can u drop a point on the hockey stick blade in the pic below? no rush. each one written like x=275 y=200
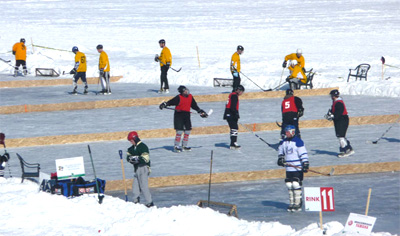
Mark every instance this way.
x=210 y=112
x=279 y=125
x=176 y=70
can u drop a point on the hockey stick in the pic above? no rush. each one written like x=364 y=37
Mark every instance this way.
x=100 y=196
x=314 y=171
x=270 y=145
x=279 y=125
x=376 y=141
x=280 y=85
x=123 y=175
x=172 y=68
x=283 y=70
x=5 y=60
x=208 y=113
x=2 y=141
x=253 y=82
x=209 y=182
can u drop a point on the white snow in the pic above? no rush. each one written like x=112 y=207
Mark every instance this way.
x=26 y=211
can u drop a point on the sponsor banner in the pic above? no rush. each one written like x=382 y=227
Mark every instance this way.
x=360 y=224
x=70 y=168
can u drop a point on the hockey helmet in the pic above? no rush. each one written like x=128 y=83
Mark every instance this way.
x=75 y=49
x=299 y=51
x=291 y=129
x=334 y=93
x=240 y=88
x=133 y=136
x=289 y=92
x=22 y=40
x=99 y=46
x=162 y=41
x=240 y=47
x=182 y=89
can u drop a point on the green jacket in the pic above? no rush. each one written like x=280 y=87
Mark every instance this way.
x=142 y=151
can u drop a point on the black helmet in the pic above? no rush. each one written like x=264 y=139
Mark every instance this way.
x=289 y=92
x=240 y=47
x=240 y=88
x=161 y=41
x=182 y=89
x=99 y=46
x=75 y=49
x=22 y=40
x=334 y=93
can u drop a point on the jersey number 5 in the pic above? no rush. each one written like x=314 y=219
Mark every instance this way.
x=287 y=105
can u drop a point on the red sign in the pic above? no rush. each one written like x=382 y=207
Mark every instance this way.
x=327 y=199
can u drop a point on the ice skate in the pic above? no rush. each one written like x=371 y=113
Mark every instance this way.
x=177 y=149
x=187 y=149
x=349 y=152
x=74 y=92
x=297 y=207
x=160 y=91
x=151 y=204
x=235 y=146
x=166 y=91
x=85 y=91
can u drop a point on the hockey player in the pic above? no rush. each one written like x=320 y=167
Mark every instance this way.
x=292 y=154
x=231 y=115
x=338 y=113
x=298 y=56
x=3 y=161
x=165 y=60
x=235 y=66
x=292 y=109
x=79 y=70
x=139 y=156
x=182 y=123
x=297 y=75
x=104 y=68
x=19 y=50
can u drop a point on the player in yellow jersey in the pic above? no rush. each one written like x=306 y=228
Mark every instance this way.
x=235 y=67
x=19 y=50
x=104 y=68
x=298 y=56
x=165 y=60
x=79 y=70
x=297 y=75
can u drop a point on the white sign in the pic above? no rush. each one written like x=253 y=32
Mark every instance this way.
x=361 y=224
x=69 y=168
x=319 y=199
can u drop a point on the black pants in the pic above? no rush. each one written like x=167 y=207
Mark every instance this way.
x=18 y=63
x=163 y=77
x=233 y=125
x=341 y=126
x=182 y=121
x=81 y=75
x=236 y=82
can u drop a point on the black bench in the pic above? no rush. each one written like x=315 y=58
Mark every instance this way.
x=360 y=72
x=310 y=77
x=29 y=170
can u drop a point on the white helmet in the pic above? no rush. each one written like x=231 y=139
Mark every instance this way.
x=299 y=51
x=293 y=62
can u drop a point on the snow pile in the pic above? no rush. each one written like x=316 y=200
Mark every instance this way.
x=25 y=211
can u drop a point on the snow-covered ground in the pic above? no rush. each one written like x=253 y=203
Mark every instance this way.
x=334 y=35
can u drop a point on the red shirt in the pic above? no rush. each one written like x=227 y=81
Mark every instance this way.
x=289 y=105
x=344 y=107
x=229 y=104
x=185 y=103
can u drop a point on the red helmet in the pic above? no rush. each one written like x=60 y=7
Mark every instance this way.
x=132 y=135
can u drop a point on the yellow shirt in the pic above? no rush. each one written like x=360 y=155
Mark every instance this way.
x=20 y=51
x=81 y=58
x=293 y=56
x=165 y=57
x=235 y=62
x=103 y=62
x=295 y=73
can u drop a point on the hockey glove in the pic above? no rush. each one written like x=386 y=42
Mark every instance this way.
x=202 y=113
x=305 y=166
x=156 y=58
x=281 y=160
x=304 y=70
x=73 y=71
x=329 y=116
x=168 y=64
x=133 y=159
x=6 y=156
x=13 y=52
x=301 y=113
x=101 y=72
x=163 y=105
x=284 y=64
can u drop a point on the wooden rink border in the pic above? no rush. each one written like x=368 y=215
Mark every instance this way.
x=149 y=101
x=225 y=177
x=50 y=82
x=170 y=132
